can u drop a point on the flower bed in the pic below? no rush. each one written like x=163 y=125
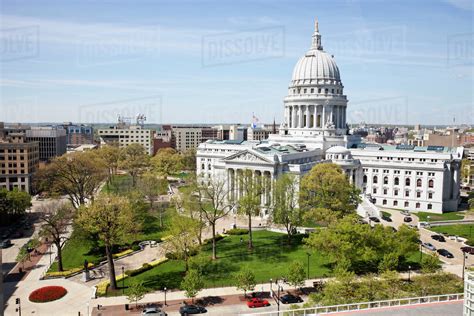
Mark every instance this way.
x=121 y=254
x=47 y=294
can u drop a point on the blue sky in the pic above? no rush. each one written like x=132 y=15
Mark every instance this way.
x=401 y=62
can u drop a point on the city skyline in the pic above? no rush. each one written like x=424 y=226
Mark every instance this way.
x=178 y=66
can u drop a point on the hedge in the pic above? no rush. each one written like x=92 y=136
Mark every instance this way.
x=123 y=253
x=66 y=273
x=237 y=231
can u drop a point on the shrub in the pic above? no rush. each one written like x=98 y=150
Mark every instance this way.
x=123 y=253
x=209 y=240
x=135 y=247
x=47 y=294
x=175 y=256
x=237 y=231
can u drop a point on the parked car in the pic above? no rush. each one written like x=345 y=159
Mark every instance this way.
x=445 y=253
x=153 y=311
x=439 y=238
x=257 y=302
x=6 y=243
x=290 y=299
x=374 y=219
x=386 y=218
x=191 y=309
x=407 y=219
x=429 y=246
x=467 y=249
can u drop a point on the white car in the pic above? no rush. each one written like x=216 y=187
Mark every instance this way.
x=153 y=311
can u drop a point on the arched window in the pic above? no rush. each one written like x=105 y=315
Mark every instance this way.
x=407 y=181
x=431 y=183
x=396 y=181
x=384 y=202
x=395 y=203
x=430 y=206
x=418 y=182
x=385 y=180
x=417 y=205
x=375 y=179
x=364 y=179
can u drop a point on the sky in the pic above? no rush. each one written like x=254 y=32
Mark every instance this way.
x=401 y=61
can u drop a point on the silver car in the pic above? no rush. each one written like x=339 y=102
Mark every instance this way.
x=429 y=246
x=153 y=311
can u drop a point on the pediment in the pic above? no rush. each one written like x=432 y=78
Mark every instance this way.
x=248 y=157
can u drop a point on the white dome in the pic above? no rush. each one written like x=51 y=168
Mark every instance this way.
x=315 y=65
x=338 y=150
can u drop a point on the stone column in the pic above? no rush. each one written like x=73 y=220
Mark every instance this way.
x=323 y=118
x=308 y=117
x=300 y=117
x=315 y=115
x=294 y=116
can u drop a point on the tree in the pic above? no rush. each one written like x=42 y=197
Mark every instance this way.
x=77 y=175
x=152 y=187
x=465 y=170
x=249 y=202
x=285 y=210
x=215 y=204
x=327 y=193
x=296 y=274
x=362 y=246
x=188 y=159
x=13 y=205
x=135 y=160
x=245 y=280
x=182 y=245
x=136 y=292
x=56 y=217
x=192 y=284
x=389 y=262
x=166 y=162
x=114 y=221
x=111 y=155
x=430 y=264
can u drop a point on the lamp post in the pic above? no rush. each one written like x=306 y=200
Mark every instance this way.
x=464 y=255
x=309 y=255
x=123 y=280
x=409 y=270
x=165 y=295
x=278 y=298
x=271 y=280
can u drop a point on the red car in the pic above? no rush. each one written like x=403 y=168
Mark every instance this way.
x=257 y=302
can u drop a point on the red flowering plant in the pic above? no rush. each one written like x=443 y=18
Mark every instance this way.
x=47 y=294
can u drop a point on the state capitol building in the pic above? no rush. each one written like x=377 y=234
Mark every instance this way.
x=314 y=130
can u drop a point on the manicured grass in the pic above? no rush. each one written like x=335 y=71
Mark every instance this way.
x=423 y=216
x=120 y=184
x=269 y=259
x=466 y=231
x=75 y=251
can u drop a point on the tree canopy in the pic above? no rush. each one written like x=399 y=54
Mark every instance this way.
x=327 y=193
x=166 y=162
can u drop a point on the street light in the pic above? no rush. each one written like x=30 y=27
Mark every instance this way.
x=409 y=270
x=165 y=295
x=464 y=257
x=309 y=255
x=123 y=280
x=271 y=280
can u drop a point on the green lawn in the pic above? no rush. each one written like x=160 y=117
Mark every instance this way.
x=120 y=184
x=466 y=231
x=76 y=249
x=423 y=216
x=269 y=259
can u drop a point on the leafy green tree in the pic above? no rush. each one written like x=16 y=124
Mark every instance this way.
x=111 y=156
x=362 y=246
x=245 y=280
x=341 y=290
x=151 y=188
x=113 y=220
x=296 y=274
x=188 y=159
x=214 y=204
x=77 y=175
x=167 y=162
x=136 y=292
x=56 y=217
x=249 y=202
x=285 y=209
x=389 y=262
x=465 y=170
x=135 y=160
x=327 y=193
x=183 y=243
x=19 y=201
x=192 y=284
x=430 y=264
